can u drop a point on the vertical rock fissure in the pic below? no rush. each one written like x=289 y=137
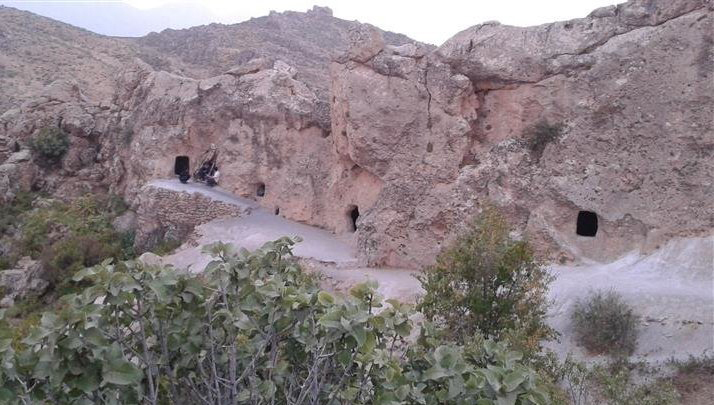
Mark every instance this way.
x=428 y=100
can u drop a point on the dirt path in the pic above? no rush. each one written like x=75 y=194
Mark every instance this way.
x=672 y=289
x=332 y=255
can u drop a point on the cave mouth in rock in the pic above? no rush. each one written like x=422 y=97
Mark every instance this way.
x=587 y=224
x=260 y=190
x=353 y=214
x=181 y=165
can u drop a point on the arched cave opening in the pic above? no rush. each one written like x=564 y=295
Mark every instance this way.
x=181 y=165
x=353 y=214
x=260 y=190
x=587 y=224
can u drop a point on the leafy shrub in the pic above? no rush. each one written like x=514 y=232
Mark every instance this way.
x=73 y=253
x=6 y=263
x=540 y=135
x=67 y=237
x=695 y=365
x=617 y=383
x=487 y=283
x=251 y=329
x=166 y=246
x=605 y=323
x=10 y=212
x=50 y=144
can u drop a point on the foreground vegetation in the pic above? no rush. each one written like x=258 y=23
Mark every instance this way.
x=252 y=329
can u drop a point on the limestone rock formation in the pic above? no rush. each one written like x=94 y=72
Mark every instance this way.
x=631 y=86
x=603 y=122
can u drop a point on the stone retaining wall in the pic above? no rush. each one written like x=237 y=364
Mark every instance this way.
x=164 y=214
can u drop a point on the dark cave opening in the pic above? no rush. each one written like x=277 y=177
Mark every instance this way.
x=260 y=190
x=587 y=224
x=181 y=165
x=353 y=214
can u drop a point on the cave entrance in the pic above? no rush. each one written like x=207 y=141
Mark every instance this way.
x=587 y=224
x=353 y=215
x=260 y=190
x=181 y=165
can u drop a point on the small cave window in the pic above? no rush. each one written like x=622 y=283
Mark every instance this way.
x=260 y=190
x=353 y=214
x=277 y=211
x=181 y=165
x=587 y=224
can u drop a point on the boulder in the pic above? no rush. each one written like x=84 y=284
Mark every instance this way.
x=23 y=281
x=126 y=222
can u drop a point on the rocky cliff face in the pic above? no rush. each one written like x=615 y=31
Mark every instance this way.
x=609 y=114
x=627 y=97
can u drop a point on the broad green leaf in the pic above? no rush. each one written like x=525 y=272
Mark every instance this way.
x=359 y=334
x=512 y=380
x=507 y=399
x=493 y=379
x=456 y=386
x=87 y=382
x=121 y=372
x=159 y=289
x=325 y=298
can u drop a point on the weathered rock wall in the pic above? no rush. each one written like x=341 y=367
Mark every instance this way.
x=631 y=85
x=417 y=140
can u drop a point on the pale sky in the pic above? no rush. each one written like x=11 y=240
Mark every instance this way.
x=431 y=21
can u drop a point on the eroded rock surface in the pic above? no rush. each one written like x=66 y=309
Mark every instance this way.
x=631 y=87
x=401 y=143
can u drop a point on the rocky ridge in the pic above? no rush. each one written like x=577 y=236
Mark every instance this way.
x=415 y=140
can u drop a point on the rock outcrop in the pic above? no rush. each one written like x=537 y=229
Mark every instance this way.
x=23 y=281
x=607 y=118
x=627 y=93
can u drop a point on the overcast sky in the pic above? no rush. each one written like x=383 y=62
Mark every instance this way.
x=432 y=21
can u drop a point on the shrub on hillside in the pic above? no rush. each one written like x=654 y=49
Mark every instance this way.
x=488 y=283
x=50 y=144
x=251 y=329
x=617 y=383
x=605 y=323
x=72 y=253
x=11 y=211
x=541 y=135
x=67 y=237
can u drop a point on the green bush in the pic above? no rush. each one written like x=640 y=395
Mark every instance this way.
x=67 y=237
x=541 y=135
x=73 y=253
x=617 y=383
x=487 y=283
x=251 y=329
x=166 y=246
x=10 y=212
x=50 y=144
x=605 y=324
